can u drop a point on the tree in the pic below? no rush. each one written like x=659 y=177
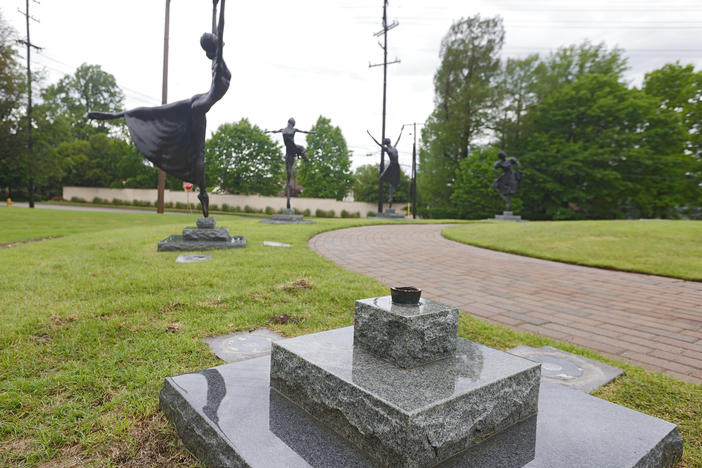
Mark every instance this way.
x=327 y=171
x=465 y=98
x=365 y=185
x=88 y=89
x=473 y=193
x=12 y=91
x=241 y=158
x=600 y=150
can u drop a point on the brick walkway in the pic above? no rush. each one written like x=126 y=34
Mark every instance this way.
x=652 y=321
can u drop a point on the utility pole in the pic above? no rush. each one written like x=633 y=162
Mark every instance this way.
x=30 y=143
x=164 y=100
x=413 y=186
x=384 y=32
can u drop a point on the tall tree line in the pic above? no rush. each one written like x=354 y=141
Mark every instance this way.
x=590 y=145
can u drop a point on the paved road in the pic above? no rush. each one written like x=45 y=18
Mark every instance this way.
x=652 y=321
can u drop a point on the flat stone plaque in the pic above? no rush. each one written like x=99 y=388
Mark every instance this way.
x=411 y=417
x=406 y=335
x=569 y=369
x=227 y=416
x=184 y=258
x=276 y=244
x=243 y=345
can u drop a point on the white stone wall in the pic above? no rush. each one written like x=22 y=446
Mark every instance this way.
x=254 y=201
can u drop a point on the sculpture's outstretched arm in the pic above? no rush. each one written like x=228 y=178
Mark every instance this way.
x=274 y=131
x=400 y=136
x=105 y=115
x=302 y=131
x=220 y=30
x=376 y=141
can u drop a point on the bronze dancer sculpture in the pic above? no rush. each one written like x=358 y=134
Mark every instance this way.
x=391 y=174
x=291 y=152
x=510 y=180
x=172 y=136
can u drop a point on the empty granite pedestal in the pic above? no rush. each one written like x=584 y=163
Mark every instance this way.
x=508 y=216
x=288 y=216
x=339 y=398
x=390 y=213
x=205 y=236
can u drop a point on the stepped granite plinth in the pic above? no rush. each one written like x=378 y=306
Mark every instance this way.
x=227 y=416
x=286 y=217
x=508 y=216
x=390 y=213
x=406 y=335
x=205 y=236
x=407 y=417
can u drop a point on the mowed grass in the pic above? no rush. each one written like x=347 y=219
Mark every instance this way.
x=23 y=224
x=667 y=248
x=93 y=322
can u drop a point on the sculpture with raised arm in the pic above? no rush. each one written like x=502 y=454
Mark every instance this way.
x=510 y=180
x=391 y=174
x=291 y=152
x=172 y=136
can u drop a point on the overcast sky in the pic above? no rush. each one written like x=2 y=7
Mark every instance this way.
x=311 y=57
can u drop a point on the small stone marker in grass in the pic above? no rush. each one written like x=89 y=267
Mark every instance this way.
x=193 y=258
x=569 y=369
x=276 y=244
x=243 y=345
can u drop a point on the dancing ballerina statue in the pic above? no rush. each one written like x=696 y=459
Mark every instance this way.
x=172 y=136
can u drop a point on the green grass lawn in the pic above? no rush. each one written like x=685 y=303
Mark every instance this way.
x=668 y=248
x=93 y=322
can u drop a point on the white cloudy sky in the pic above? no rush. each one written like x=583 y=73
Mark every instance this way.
x=310 y=57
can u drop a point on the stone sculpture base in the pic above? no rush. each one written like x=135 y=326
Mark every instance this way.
x=203 y=237
x=390 y=214
x=405 y=417
x=405 y=335
x=228 y=416
x=287 y=217
x=508 y=216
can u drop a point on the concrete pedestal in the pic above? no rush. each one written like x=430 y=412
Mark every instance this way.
x=390 y=214
x=287 y=217
x=508 y=216
x=406 y=335
x=205 y=236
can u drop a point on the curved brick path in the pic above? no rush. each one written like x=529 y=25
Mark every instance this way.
x=648 y=320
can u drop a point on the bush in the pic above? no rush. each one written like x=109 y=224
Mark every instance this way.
x=236 y=209
x=324 y=213
x=99 y=201
x=371 y=214
x=249 y=209
x=307 y=212
x=214 y=207
x=117 y=201
x=77 y=200
x=181 y=206
x=168 y=204
x=225 y=207
x=346 y=214
x=269 y=210
x=141 y=203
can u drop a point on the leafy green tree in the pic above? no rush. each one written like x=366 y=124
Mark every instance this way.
x=327 y=171
x=600 y=150
x=473 y=193
x=241 y=158
x=465 y=98
x=365 y=185
x=98 y=161
x=88 y=89
x=12 y=91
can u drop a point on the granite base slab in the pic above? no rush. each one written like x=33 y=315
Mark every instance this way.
x=286 y=217
x=390 y=213
x=508 y=216
x=193 y=258
x=227 y=416
x=409 y=417
x=176 y=243
x=569 y=369
x=405 y=335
